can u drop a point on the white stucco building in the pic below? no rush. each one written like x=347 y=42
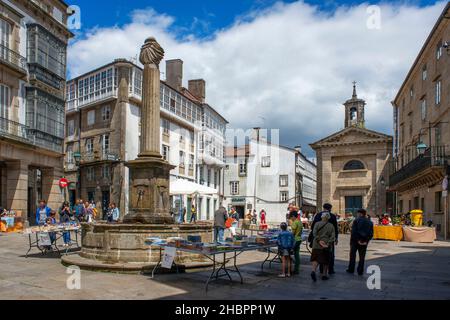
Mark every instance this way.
x=260 y=175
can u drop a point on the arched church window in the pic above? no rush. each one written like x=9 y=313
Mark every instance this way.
x=353 y=113
x=354 y=165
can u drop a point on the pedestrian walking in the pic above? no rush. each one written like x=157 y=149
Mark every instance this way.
x=88 y=212
x=65 y=216
x=333 y=220
x=362 y=233
x=324 y=237
x=285 y=245
x=235 y=216
x=193 y=214
x=262 y=216
x=220 y=216
x=296 y=227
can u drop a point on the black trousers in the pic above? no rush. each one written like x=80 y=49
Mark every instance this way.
x=355 y=247
x=331 y=265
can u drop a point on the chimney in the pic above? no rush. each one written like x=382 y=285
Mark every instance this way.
x=198 y=88
x=174 y=73
x=298 y=148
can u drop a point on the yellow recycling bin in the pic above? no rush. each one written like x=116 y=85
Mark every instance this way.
x=417 y=217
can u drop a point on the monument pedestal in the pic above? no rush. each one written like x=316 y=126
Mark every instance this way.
x=149 y=201
x=121 y=247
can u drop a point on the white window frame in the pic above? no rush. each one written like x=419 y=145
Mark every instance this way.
x=424 y=73
x=243 y=168
x=90 y=173
x=439 y=50
x=166 y=152
x=284 y=180
x=70 y=127
x=69 y=154
x=91 y=117
x=5 y=33
x=105 y=143
x=265 y=162
x=423 y=108
x=106 y=113
x=5 y=101
x=284 y=196
x=182 y=158
x=234 y=188
x=438 y=92
x=106 y=171
x=90 y=145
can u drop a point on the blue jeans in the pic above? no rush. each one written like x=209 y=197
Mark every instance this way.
x=218 y=234
x=66 y=237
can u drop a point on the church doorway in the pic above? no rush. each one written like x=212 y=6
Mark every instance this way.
x=353 y=204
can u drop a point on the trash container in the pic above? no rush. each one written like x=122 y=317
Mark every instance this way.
x=417 y=217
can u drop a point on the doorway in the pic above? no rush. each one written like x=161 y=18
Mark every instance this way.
x=353 y=204
x=241 y=211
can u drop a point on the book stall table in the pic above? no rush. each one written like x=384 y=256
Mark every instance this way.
x=39 y=237
x=222 y=256
x=394 y=233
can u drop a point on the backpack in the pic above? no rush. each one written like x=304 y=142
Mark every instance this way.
x=229 y=223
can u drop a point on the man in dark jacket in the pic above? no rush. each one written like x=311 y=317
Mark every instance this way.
x=333 y=220
x=362 y=233
x=220 y=216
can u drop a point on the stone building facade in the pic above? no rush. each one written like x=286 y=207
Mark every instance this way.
x=33 y=42
x=422 y=130
x=103 y=121
x=352 y=165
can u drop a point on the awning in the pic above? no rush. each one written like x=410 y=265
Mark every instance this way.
x=185 y=187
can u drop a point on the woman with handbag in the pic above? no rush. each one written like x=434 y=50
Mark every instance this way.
x=324 y=236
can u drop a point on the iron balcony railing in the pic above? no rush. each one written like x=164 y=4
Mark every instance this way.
x=13 y=129
x=11 y=57
x=433 y=157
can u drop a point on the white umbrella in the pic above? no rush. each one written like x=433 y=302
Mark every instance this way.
x=185 y=187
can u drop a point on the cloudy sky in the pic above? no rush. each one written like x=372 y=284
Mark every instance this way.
x=281 y=65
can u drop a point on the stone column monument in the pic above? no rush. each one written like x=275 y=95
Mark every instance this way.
x=121 y=247
x=149 y=173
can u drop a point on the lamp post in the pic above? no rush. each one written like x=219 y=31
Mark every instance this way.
x=77 y=158
x=421 y=148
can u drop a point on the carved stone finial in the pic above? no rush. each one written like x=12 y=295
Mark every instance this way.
x=151 y=52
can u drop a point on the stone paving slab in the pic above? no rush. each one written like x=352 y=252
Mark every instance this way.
x=408 y=271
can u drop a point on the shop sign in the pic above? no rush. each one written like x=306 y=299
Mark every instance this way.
x=237 y=199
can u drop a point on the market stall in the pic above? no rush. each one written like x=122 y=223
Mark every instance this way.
x=223 y=256
x=9 y=222
x=419 y=234
x=39 y=237
x=394 y=233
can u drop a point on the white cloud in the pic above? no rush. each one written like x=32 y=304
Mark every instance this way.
x=290 y=64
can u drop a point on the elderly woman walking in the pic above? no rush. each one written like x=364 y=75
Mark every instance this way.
x=324 y=236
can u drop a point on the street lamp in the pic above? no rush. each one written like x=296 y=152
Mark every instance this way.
x=421 y=148
x=77 y=158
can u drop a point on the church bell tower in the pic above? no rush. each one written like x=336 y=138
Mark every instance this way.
x=354 y=111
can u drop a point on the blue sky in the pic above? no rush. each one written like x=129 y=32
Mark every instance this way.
x=271 y=64
x=199 y=17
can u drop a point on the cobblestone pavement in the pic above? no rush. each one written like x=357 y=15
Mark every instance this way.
x=408 y=271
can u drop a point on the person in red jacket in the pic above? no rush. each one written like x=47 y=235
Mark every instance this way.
x=262 y=216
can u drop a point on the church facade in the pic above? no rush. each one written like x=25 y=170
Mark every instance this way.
x=352 y=165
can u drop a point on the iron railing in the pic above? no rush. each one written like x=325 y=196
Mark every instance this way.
x=433 y=157
x=11 y=57
x=13 y=129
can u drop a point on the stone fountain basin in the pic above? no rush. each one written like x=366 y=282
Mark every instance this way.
x=122 y=248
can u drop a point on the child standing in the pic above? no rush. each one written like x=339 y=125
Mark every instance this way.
x=285 y=246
